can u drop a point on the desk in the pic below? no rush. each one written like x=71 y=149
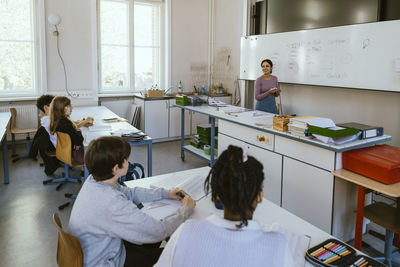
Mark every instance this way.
x=4 y=120
x=365 y=183
x=100 y=112
x=266 y=212
x=293 y=166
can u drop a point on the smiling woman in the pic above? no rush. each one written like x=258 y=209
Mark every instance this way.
x=267 y=88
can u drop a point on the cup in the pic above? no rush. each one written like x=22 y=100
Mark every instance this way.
x=207 y=149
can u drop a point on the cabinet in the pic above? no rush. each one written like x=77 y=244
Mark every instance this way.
x=156 y=118
x=272 y=163
x=307 y=192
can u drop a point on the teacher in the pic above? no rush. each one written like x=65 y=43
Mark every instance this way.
x=267 y=88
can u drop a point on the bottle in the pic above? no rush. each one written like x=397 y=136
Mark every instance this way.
x=180 y=89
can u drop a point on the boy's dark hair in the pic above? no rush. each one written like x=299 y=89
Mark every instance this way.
x=235 y=183
x=103 y=153
x=44 y=100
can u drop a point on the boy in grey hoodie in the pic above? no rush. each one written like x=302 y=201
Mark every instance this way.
x=105 y=213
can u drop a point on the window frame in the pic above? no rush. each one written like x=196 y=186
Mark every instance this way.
x=132 y=88
x=39 y=75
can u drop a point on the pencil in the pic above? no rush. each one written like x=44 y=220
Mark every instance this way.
x=365 y=263
x=337 y=257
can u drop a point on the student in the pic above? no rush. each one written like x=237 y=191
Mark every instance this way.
x=43 y=104
x=105 y=213
x=234 y=240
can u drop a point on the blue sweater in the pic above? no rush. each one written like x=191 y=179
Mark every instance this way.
x=103 y=215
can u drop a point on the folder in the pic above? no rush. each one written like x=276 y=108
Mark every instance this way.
x=367 y=130
x=333 y=132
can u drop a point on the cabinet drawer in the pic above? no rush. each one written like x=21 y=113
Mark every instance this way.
x=247 y=134
x=310 y=154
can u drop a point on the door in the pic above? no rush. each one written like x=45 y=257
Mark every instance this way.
x=156 y=118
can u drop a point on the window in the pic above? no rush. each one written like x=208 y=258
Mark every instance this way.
x=129 y=45
x=20 y=66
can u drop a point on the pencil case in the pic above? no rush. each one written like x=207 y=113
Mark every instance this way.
x=333 y=252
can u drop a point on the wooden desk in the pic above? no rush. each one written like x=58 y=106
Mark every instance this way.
x=4 y=121
x=266 y=212
x=98 y=113
x=365 y=184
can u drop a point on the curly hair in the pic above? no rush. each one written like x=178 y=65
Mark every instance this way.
x=44 y=100
x=236 y=183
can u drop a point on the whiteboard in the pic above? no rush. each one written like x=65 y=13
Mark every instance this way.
x=357 y=56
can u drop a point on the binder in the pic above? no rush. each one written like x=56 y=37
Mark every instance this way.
x=333 y=132
x=367 y=130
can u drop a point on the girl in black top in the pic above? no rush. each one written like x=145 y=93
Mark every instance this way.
x=60 y=110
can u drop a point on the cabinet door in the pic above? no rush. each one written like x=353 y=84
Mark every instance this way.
x=224 y=141
x=197 y=119
x=156 y=118
x=175 y=120
x=272 y=163
x=308 y=193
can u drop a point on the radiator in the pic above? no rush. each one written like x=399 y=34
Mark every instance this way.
x=27 y=117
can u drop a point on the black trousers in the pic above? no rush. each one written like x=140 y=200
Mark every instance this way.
x=142 y=255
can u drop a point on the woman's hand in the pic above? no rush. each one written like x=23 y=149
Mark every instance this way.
x=176 y=193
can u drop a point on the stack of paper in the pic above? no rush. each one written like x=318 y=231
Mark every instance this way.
x=100 y=127
x=299 y=125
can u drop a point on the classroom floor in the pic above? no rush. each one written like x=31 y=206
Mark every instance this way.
x=27 y=234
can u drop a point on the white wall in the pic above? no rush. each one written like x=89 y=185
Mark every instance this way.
x=189 y=39
x=228 y=21
x=75 y=43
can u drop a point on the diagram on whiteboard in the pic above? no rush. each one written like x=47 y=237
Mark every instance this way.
x=336 y=56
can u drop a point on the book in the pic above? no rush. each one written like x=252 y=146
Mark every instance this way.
x=368 y=131
x=337 y=141
x=193 y=186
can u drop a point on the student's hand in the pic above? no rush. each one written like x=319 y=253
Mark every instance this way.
x=176 y=193
x=88 y=121
x=188 y=201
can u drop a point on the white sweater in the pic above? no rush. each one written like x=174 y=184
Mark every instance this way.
x=217 y=242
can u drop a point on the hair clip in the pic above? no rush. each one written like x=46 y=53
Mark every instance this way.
x=244 y=155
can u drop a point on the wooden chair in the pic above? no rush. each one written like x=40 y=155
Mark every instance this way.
x=14 y=130
x=387 y=217
x=69 y=250
x=63 y=153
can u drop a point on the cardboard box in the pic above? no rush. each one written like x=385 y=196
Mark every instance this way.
x=153 y=93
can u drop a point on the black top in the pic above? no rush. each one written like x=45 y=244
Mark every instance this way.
x=66 y=126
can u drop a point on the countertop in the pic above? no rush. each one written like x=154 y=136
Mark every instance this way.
x=171 y=96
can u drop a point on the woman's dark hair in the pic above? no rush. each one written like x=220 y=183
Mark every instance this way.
x=236 y=183
x=269 y=62
x=103 y=153
x=44 y=100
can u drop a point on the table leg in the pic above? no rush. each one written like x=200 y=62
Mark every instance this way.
x=182 y=133
x=212 y=141
x=149 y=159
x=5 y=160
x=359 y=217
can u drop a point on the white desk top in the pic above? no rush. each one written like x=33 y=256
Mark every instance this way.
x=266 y=212
x=98 y=113
x=4 y=120
x=251 y=117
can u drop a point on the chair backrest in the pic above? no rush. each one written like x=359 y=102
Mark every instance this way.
x=64 y=148
x=13 y=123
x=69 y=250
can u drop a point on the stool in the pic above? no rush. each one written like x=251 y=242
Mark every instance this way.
x=387 y=217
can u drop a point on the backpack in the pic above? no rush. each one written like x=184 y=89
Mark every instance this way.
x=132 y=173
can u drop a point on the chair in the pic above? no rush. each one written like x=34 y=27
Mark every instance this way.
x=63 y=153
x=132 y=173
x=69 y=250
x=14 y=130
x=387 y=217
